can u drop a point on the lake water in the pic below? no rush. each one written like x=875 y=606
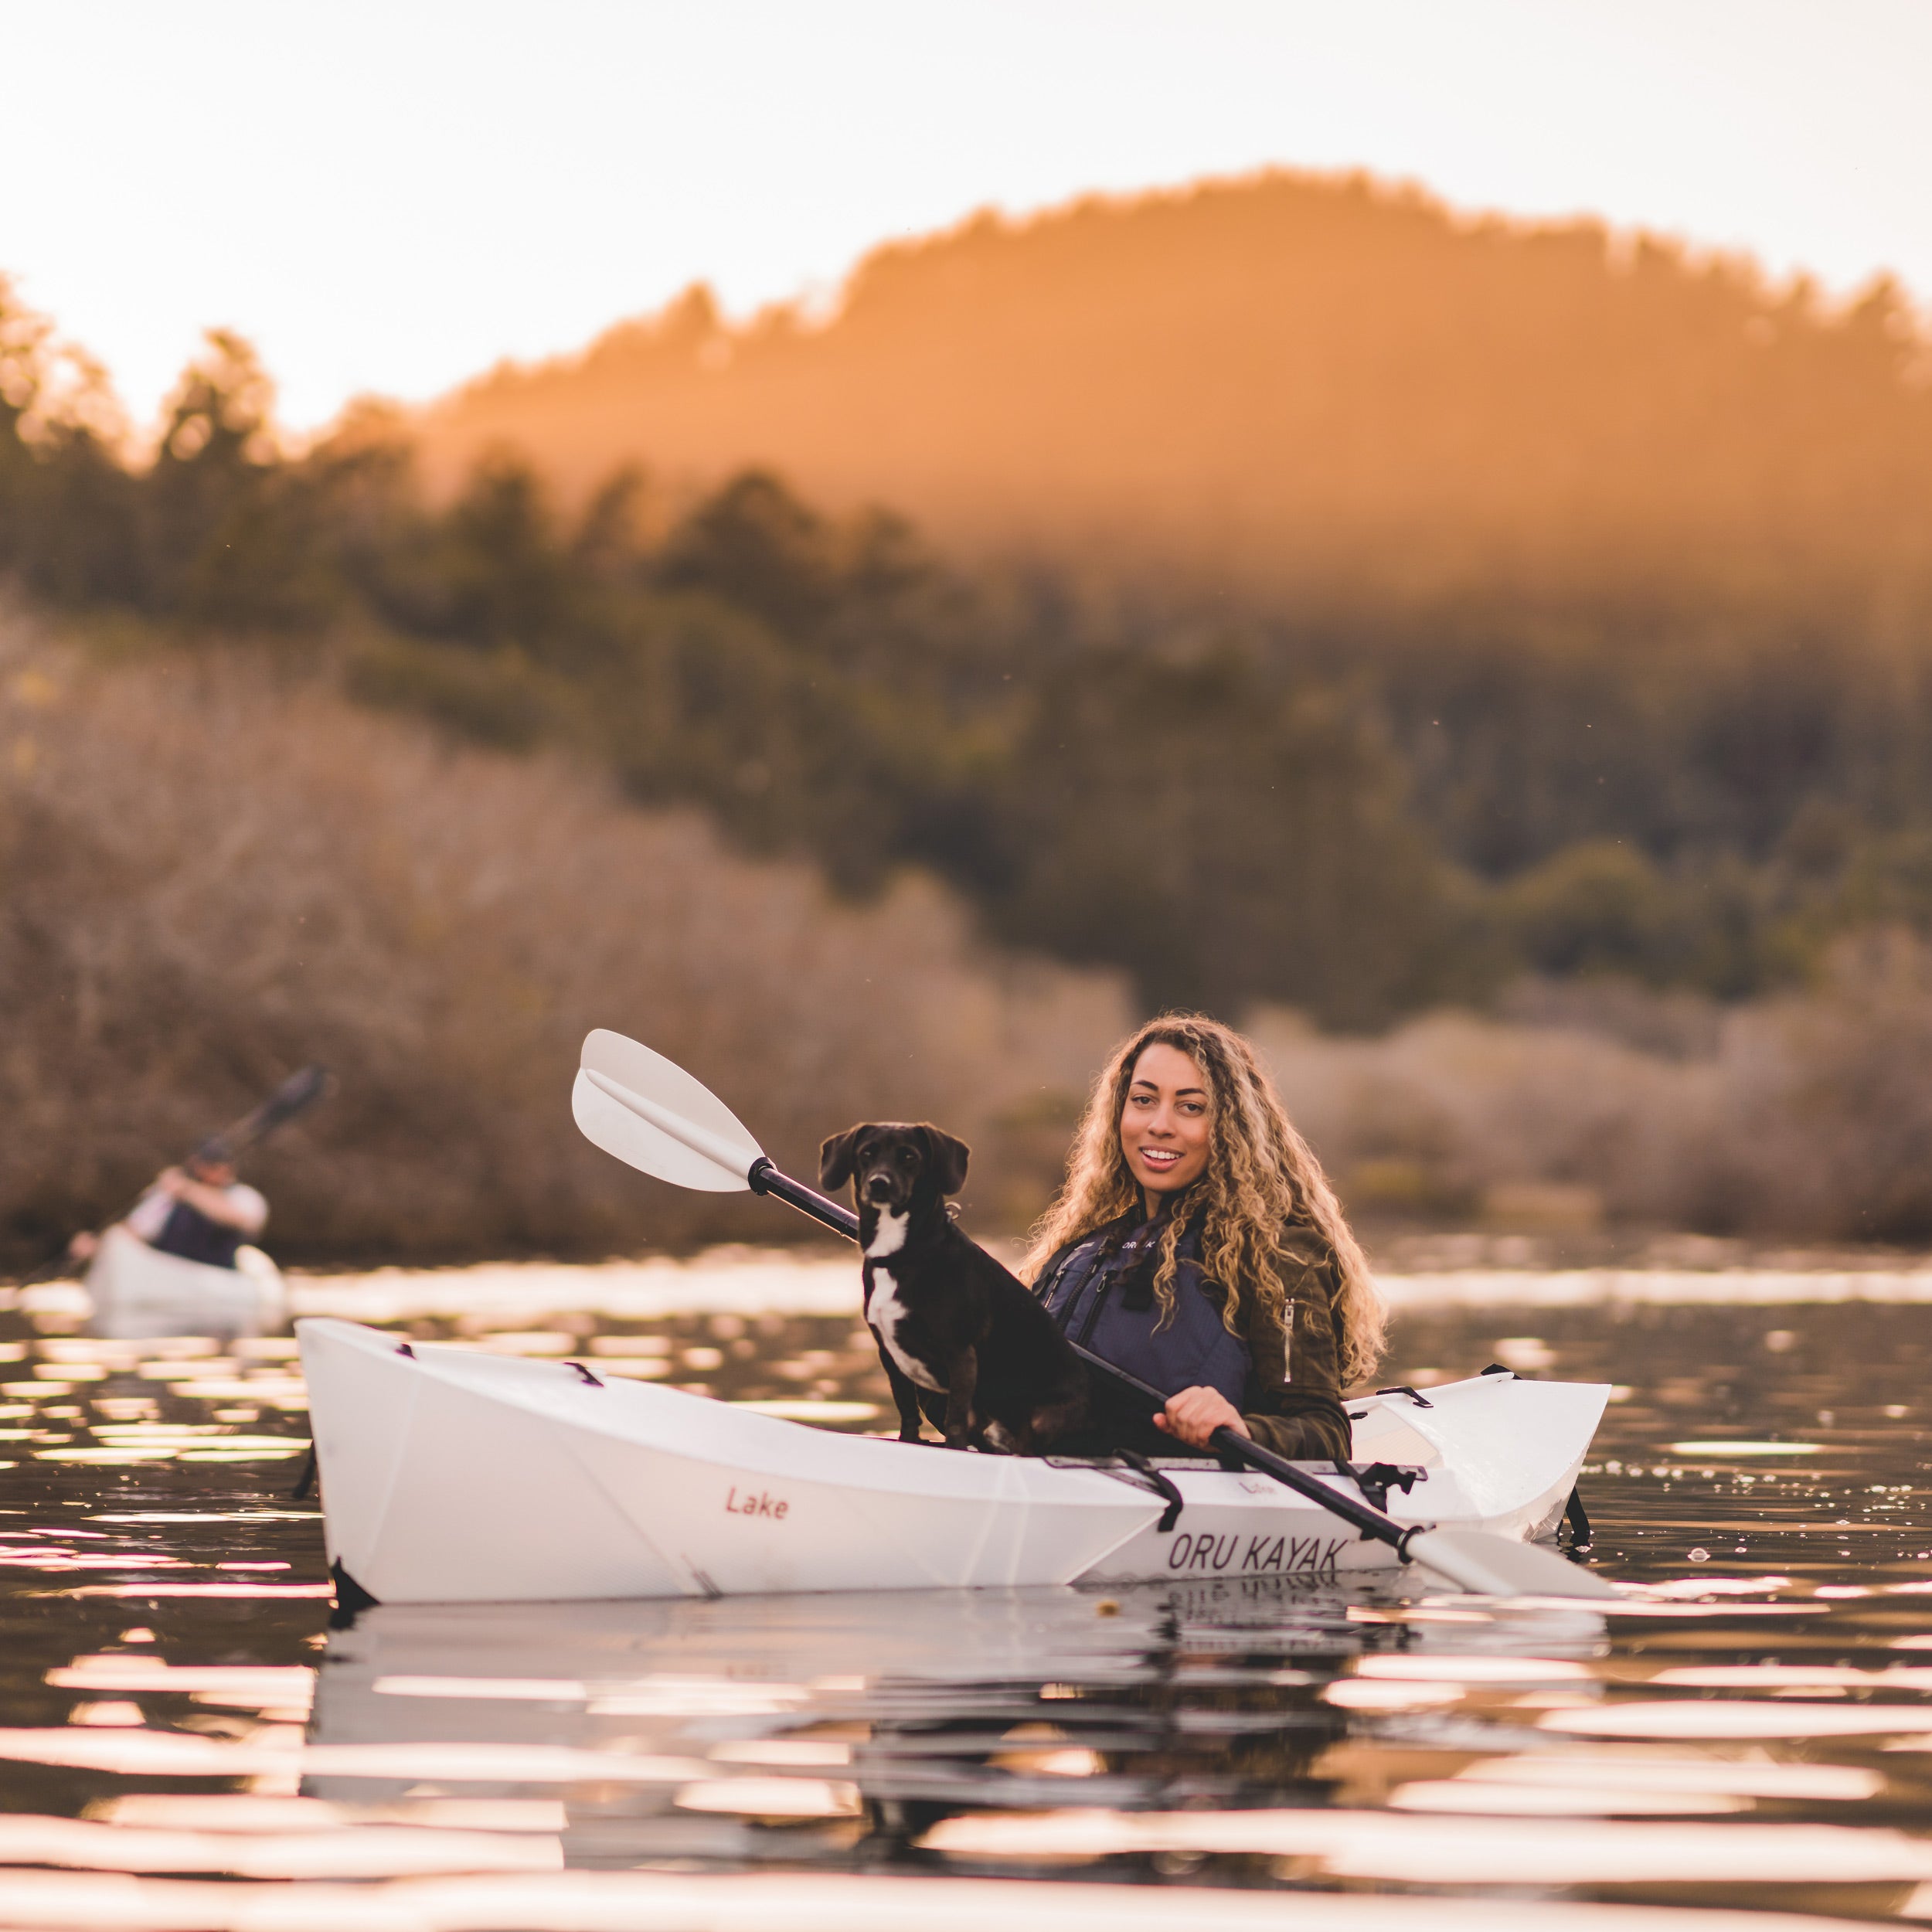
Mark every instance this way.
x=185 y=1742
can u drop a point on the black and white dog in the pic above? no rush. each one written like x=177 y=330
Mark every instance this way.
x=948 y=1319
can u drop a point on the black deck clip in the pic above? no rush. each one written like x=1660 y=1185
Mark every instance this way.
x=1402 y=1388
x=305 y=1482
x=1163 y=1486
x=350 y=1598
x=403 y=1348
x=1376 y=1479
x=1504 y=1368
x=595 y=1382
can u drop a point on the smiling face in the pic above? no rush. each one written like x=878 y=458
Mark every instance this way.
x=1166 y=1122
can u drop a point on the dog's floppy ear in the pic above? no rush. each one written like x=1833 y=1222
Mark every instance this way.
x=834 y=1157
x=949 y=1159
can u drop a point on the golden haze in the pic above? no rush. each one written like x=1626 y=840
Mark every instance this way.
x=1294 y=383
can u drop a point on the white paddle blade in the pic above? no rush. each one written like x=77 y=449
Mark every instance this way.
x=1487 y=1565
x=649 y=1114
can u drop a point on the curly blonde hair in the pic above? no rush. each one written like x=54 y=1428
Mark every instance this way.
x=1261 y=1178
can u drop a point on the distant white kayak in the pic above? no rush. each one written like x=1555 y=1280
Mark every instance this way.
x=138 y=1292
x=452 y=1475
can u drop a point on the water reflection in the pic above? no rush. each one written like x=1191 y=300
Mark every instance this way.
x=1756 y=1729
x=861 y=1725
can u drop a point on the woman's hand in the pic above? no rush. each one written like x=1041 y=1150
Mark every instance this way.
x=1194 y=1414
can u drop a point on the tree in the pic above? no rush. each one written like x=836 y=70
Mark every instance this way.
x=231 y=537
x=756 y=545
x=1224 y=838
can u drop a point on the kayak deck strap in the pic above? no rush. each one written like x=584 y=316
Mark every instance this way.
x=1413 y=1472
x=1162 y=1486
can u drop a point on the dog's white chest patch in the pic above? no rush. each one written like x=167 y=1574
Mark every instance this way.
x=890 y=1236
x=884 y=1312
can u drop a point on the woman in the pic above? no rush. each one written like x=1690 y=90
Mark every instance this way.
x=1197 y=1244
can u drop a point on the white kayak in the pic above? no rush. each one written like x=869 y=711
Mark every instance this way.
x=452 y=1475
x=138 y=1292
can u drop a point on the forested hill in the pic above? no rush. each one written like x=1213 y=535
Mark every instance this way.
x=1357 y=808
x=1304 y=382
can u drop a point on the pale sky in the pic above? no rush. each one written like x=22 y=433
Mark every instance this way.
x=390 y=195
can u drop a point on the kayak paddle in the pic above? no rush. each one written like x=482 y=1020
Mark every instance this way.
x=649 y=1114
x=296 y=1094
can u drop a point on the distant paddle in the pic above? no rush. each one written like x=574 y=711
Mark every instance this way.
x=649 y=1114
x=296 y=1095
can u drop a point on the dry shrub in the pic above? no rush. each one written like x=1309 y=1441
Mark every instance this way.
x=1828 y=1100
x=210 y=876
x=1449 y=1107
x=1807 y=1116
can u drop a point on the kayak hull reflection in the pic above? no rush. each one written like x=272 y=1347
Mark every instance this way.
x=451 y=1475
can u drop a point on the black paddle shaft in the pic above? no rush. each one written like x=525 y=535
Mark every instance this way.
x=765 y=1178
x=296 y=1095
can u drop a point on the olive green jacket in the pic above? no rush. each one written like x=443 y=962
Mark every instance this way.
x=1293 y=1404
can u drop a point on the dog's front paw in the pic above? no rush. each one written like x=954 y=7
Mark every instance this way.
x=910 y=1435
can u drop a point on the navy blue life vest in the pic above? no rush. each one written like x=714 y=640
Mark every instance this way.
x=1101 y=1292
x=189 y=1233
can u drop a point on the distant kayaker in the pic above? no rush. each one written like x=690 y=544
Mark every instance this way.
x=1197 y=1244
x=200 y=1211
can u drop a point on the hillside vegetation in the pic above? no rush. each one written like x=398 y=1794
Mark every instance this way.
x=1656 y=729
x=1357 y=811
x=1297 y=384
x=213 y=870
